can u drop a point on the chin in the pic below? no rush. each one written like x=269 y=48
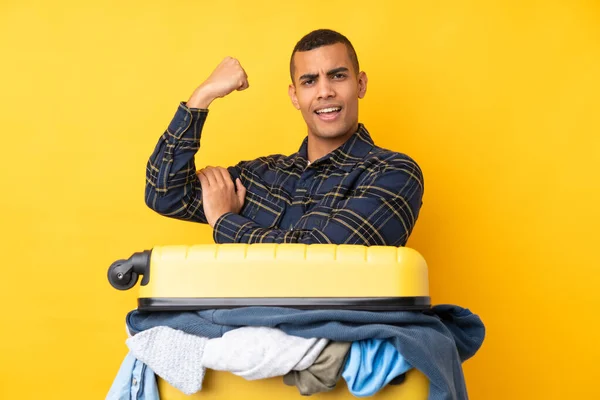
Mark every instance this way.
x=328 y=130
x=332 y=135
x=331 y=132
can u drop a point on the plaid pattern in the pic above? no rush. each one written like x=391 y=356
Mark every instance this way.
x=357 y=194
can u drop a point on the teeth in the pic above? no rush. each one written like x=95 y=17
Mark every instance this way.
x=328 y=110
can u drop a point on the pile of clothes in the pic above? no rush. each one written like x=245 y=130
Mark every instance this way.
x=310 y=349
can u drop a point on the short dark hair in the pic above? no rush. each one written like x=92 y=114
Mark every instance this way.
x=323 y=37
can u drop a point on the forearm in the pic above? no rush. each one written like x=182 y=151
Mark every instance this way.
x=233 y=228
x=172 y=188
x=201 y=98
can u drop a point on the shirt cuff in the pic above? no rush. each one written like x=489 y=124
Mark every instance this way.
x=184 y=104
x=230 y=227
x=187 y=123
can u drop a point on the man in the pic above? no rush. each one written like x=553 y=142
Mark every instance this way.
x=338 y=188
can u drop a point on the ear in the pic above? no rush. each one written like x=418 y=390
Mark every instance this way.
x=293 y=97
x=362 y=84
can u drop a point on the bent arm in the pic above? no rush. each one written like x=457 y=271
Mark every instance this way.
x=172 y=187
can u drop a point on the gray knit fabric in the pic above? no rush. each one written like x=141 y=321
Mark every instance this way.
x=173 y=355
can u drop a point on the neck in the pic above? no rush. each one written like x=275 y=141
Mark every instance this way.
x=319 y=147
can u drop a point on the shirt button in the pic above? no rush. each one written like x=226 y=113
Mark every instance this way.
x=134 y=381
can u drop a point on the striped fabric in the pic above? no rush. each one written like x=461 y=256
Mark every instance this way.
x=357 y=194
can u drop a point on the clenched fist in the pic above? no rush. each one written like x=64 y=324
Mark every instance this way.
x=227 y=77
x=219 y=194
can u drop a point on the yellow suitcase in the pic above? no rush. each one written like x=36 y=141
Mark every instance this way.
x=376 y=278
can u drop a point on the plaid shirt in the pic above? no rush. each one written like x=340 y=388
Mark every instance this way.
x=357 y=194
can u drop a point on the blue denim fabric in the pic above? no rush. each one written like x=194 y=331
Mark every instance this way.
x=134 y=381
x=435 y=342
x=371 y=365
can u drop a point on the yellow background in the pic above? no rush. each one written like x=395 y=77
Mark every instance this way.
x=498 y=101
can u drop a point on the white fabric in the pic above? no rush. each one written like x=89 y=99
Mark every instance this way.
x=259 y=352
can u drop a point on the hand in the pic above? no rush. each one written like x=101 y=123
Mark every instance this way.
x=219 y=195
x=227 y=77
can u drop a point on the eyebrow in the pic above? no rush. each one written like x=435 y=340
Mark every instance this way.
x=329 y=73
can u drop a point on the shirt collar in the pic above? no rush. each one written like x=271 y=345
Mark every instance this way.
x=345 y=156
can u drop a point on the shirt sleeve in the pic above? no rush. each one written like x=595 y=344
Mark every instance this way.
x=382 y=211
x=172 y=187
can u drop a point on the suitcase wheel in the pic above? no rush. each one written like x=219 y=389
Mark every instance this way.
x=119 y=279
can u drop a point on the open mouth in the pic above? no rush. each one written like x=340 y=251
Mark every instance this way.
x=328 y=113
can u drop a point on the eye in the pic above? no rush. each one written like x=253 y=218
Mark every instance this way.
x=339 y=75
x=308 y=82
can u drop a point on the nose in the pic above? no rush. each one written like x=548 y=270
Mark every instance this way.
x=325 y=89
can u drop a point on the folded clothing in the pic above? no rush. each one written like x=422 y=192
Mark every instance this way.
x=324 y=373
x=435 y=341
x=250 y=352
x=372 y=364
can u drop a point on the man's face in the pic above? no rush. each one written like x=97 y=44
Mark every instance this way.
x=326 y=90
